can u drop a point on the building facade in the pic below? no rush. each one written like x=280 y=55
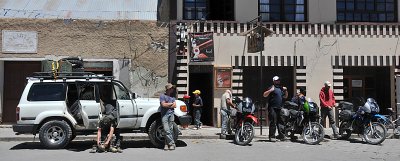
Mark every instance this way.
x=124 y=39
x=351 y=43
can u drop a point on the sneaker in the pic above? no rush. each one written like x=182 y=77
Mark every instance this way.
x=94 y=149
x=166 y=147
x=172 y=147
x=272 y=139
x=113 y=149
x=200 y=127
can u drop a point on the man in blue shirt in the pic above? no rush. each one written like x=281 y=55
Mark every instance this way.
x=167 y=102
x=276 y=95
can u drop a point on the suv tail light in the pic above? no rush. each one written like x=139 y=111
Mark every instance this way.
x=183 y=108
x=17 y=114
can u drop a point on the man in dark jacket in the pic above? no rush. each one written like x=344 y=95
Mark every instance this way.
x=276 y=95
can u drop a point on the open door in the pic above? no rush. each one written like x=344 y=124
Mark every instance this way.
x=90 y=108
x=126 y=107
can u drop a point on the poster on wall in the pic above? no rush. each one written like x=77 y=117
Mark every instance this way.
x=223 y=77
x=201 y=46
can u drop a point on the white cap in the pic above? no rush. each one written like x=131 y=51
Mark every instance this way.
x=275 y=78
x=327 y=83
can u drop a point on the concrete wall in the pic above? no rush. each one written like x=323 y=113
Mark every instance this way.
x=143 y=44
x=321 y=11
x=317 y=49
x=246 y=10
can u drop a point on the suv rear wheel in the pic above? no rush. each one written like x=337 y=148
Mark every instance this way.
x=156 y=133
x=55 y=134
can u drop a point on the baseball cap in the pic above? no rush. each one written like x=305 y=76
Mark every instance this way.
x=275 y=78
x=327 y=83
x=186 y=96
x=196 y=92
x=168 y=86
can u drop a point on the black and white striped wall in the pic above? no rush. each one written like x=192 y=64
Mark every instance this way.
x=238 y=62
x=338 y=62
x=182 y=67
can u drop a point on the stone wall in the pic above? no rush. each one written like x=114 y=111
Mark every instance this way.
x=144 y=43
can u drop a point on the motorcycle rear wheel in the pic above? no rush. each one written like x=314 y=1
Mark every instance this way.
x=375 y=134
x=344 y=131
x=313 y=133
x=245 y=134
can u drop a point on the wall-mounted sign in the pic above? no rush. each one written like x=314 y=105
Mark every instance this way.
x=223 y=77
x=19 y=41
x=356 y=83
x=201 y=46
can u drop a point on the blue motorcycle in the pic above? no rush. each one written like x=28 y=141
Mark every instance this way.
x=393 y=127
x=360 y=121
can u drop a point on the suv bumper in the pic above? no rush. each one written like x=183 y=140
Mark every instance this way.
x=185 y=120
x=24 y=128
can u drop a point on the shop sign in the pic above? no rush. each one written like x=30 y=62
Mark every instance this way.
x=19 y=41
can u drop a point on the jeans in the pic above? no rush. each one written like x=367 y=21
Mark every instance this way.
x=275 y=120
x=328 y=112
x=224 y=122
x=167 y=121
x=197 y=113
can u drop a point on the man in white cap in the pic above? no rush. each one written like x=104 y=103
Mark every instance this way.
x=276 y=95
x=226 y=104
x=327 y=102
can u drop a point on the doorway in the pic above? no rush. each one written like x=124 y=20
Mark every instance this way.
x=15 y=73
x=360 y=83
x=201 y=78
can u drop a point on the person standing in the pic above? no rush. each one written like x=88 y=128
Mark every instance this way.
x=168 y=104
x=197 y=109
x=226 y=103
x=327 y=102
x=276 y=95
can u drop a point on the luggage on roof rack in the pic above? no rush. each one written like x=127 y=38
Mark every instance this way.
x=69 y=75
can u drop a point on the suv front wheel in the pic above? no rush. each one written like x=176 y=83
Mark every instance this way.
x=156 y=133
x=55 y=134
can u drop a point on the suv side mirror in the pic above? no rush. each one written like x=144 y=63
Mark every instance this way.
x=133 y=95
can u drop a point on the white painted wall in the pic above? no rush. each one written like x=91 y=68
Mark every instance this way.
x=321 y=11
x=246 y=10
x=317 y=49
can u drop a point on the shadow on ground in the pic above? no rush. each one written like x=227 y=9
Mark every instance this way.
x=78 y=146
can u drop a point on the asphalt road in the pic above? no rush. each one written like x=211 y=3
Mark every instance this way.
x=210 y=150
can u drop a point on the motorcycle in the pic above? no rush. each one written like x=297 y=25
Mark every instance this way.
x=245 y=121
x=360 y=121
x=303 y=120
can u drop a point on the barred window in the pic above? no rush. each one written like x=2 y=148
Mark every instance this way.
x=283 y=10
x=366 y=10
x=194 y=9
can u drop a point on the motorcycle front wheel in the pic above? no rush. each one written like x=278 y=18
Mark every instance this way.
x=313 y=133
x=375 y=133
x=245 y=134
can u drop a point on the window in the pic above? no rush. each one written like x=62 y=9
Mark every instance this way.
x=121 y=92
x=47 y=92
x=283 y=10
x=194 y=9
x=366 y=10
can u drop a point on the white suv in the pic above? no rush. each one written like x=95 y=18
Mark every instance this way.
x=59 y=109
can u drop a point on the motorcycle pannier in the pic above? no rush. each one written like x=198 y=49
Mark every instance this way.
x=345 y=115
x=346 y=106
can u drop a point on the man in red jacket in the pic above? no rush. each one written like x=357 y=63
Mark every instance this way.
x=327 y=100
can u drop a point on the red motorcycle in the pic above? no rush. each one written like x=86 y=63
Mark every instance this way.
x=245 y=121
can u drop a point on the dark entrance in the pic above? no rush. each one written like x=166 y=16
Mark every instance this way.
x=366 y=82
x=253 y=88
x=15 y=73
x=201 y=78
x=221 y=10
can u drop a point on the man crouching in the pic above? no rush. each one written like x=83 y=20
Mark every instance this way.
x=107 y=127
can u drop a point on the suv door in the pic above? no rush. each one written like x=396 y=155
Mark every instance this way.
x=90 y=108
x=127 y=108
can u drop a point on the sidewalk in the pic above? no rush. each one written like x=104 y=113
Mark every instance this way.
x=7 y=134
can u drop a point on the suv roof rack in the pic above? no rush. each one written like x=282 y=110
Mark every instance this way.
x=69 y=75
